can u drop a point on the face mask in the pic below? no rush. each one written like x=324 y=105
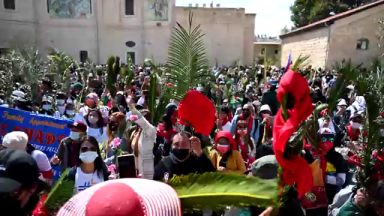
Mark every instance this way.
x=355 y=125
x=181 y=154
x=70 y=112
x=74 y=135
x=222 y=148
x=246 y=114
x=112 y=127
x=47 y=107
x=242 y=132
x=61 y=109
x=90 y=103
x=93 y=119
x=60 y=102
x=88 y=157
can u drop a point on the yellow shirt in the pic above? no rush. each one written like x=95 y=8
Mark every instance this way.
x=235 y=163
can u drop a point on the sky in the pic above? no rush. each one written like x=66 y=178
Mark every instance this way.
x=271 y=15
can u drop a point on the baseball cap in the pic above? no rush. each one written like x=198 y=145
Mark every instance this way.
x=129 y=196
x=78 y=125
x=15 y=140
x=17 y=169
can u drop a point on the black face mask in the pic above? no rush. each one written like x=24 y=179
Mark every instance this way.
x=112 y=127
x=246 y=114
x=180 y=154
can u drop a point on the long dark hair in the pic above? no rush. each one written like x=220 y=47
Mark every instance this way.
x=167 y=119
x=100 y=123
x=98 y=161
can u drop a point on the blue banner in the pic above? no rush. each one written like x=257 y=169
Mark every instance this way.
x=44 y=132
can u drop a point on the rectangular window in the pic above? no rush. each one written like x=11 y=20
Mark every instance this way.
x=83 y=56
x=129 y=7
x=132 y=55
x=9 y=4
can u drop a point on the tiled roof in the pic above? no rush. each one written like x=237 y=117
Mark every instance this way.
x=335 y=17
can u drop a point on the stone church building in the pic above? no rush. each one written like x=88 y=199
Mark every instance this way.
x=97 y=29
x=352 y=34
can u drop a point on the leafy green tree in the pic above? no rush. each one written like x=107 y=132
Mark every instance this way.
x=305 y=12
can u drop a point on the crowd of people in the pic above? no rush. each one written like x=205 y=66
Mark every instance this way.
x=240 y=141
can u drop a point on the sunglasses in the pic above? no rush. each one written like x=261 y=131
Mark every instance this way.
x=245 y=110
x=85 y=149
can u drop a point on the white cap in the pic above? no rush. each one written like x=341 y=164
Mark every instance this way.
x=15 y=140
x=265 y=107
x=342 y=103
x=120 y=93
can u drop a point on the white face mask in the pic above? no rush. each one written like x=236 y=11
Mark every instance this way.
x=74 y=135
x=60 y=102
x=355 y=125
x=70 y=112
x=47 y=107
x=93 y=119
x=61 y=109
x=88 y=157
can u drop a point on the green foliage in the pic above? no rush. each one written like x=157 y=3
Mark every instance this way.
x=28 y=67
x=216 y=191
x=60 y=193
x=305 y=12
x=60 y=63
x=113 y=69
x=187 y=59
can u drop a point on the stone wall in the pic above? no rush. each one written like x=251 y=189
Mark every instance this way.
x=313 y=43
x=103 y=34
x=347 y=31
x=228 y=32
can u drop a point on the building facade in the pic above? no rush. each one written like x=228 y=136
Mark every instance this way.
x=267 y=48
x=97 y=29
x=349 y=35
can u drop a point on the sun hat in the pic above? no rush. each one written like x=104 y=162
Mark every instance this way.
x=342 y=102
x=129 y=196
x=17 y=140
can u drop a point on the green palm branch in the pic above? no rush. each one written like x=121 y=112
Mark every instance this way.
x=30 y=66
x=216 y=191
x=60 y=63
x=60 y=193
x=187 y=59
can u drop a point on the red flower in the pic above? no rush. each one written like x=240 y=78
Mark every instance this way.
x=170 y=84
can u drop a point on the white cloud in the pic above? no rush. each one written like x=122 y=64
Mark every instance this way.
x=272 y=15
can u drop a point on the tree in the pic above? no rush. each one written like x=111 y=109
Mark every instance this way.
x=284 y=30
x=305 y=12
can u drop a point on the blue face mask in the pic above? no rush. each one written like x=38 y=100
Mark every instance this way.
x=47 y=107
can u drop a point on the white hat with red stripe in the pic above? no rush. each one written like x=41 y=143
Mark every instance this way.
x=121 y=197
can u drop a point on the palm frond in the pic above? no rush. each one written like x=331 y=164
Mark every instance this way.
x=187 y=59
x=217 y=191
x=301 y=63
x=111 y=76
x=60 y=193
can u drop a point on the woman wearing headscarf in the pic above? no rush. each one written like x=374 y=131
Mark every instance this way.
x=225 y=156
